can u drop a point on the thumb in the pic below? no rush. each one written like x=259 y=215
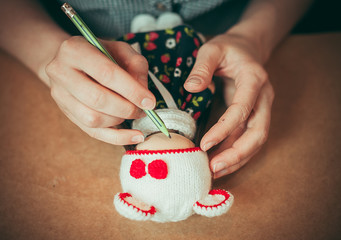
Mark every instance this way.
x=203 y=70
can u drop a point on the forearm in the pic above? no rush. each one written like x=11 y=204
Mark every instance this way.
x=266 y=22
x=28 y=33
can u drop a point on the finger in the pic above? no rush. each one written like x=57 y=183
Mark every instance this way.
x=130 y=60
x=107 y=73
x=95 y=96
x=231 y=169
x=203 y=69
x=109 y=135
x=228 y=142
x=112 y=135
x=81 y=112
x=248 y=87
x=251 y=140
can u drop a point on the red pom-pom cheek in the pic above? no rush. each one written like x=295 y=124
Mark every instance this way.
x=158 y=169
x=138 y=169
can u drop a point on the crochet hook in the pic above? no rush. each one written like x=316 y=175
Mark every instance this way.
x=88 y=34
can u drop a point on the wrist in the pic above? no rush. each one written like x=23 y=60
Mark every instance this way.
x=50 y=51
x=255 y=38
x=261 y=26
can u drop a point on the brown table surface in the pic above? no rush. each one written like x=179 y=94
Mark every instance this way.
x=58 y=183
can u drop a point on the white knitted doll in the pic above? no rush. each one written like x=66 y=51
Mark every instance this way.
x=169 y=179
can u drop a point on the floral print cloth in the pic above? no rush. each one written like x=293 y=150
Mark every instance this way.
x=171 y=54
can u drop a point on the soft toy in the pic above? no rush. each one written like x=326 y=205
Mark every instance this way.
x=169 y=179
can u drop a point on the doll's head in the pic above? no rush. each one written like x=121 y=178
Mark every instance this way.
x=180 y=124
x=159 y=141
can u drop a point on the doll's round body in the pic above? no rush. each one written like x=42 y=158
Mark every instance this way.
x=168 y=183
x=175 y=178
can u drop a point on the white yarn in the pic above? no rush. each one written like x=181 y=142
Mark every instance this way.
x=182 y=192
x=168 y=20
x=221 y=209
x=147 y=23
x=143 y=23
x=188 y=180
x=174 y=119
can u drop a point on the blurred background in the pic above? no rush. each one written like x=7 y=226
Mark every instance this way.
x=323 y=16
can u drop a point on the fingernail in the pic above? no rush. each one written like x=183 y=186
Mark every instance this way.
x=193 y=82
x=147 y=103
x=137 y=139
x=219 y=166
x=208 y=145
x=220 y=173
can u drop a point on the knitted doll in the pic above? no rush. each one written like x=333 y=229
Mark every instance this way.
x=169 y=179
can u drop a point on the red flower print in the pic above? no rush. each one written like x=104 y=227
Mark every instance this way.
x=165 y=58
x=178 y=36
x=183 y=106
x=129 y=36
x=196 y=42
x=196 y=115
x=164 y=78
x=153 y=36
x=149 y=46
x=195 y=52
x=178 y=61
x=189 y=97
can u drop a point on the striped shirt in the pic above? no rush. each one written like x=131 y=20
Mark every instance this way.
x=112 y=18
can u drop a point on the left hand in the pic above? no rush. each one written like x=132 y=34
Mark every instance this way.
x=243 y=128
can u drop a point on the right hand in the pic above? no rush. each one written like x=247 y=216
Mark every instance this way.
x=95 y=93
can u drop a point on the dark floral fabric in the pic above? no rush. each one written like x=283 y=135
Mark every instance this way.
x=171 y=54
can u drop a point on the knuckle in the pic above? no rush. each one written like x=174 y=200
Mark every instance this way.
x=262 y=75
x=137 y=60
x=97 y=100
x=237 y=157
x=244 y=111
x=130 y=112
x=121 y=45
x=70 y=44
x=92 y=120
x=51 y=69
x=67 y=45
x=106 y=74
x=210 y=47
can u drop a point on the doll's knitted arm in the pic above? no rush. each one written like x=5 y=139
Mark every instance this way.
x=216 y=203
x=133 y=208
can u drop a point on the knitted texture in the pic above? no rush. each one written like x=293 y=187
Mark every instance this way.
x=146 y=22
x=168 y=185
x=174 y=119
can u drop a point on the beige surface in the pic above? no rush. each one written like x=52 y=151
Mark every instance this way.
x=58 y=183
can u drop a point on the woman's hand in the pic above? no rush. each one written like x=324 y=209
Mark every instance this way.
x=97 y=94
x=243 y=128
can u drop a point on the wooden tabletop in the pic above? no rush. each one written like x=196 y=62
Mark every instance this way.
x=58 y=183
